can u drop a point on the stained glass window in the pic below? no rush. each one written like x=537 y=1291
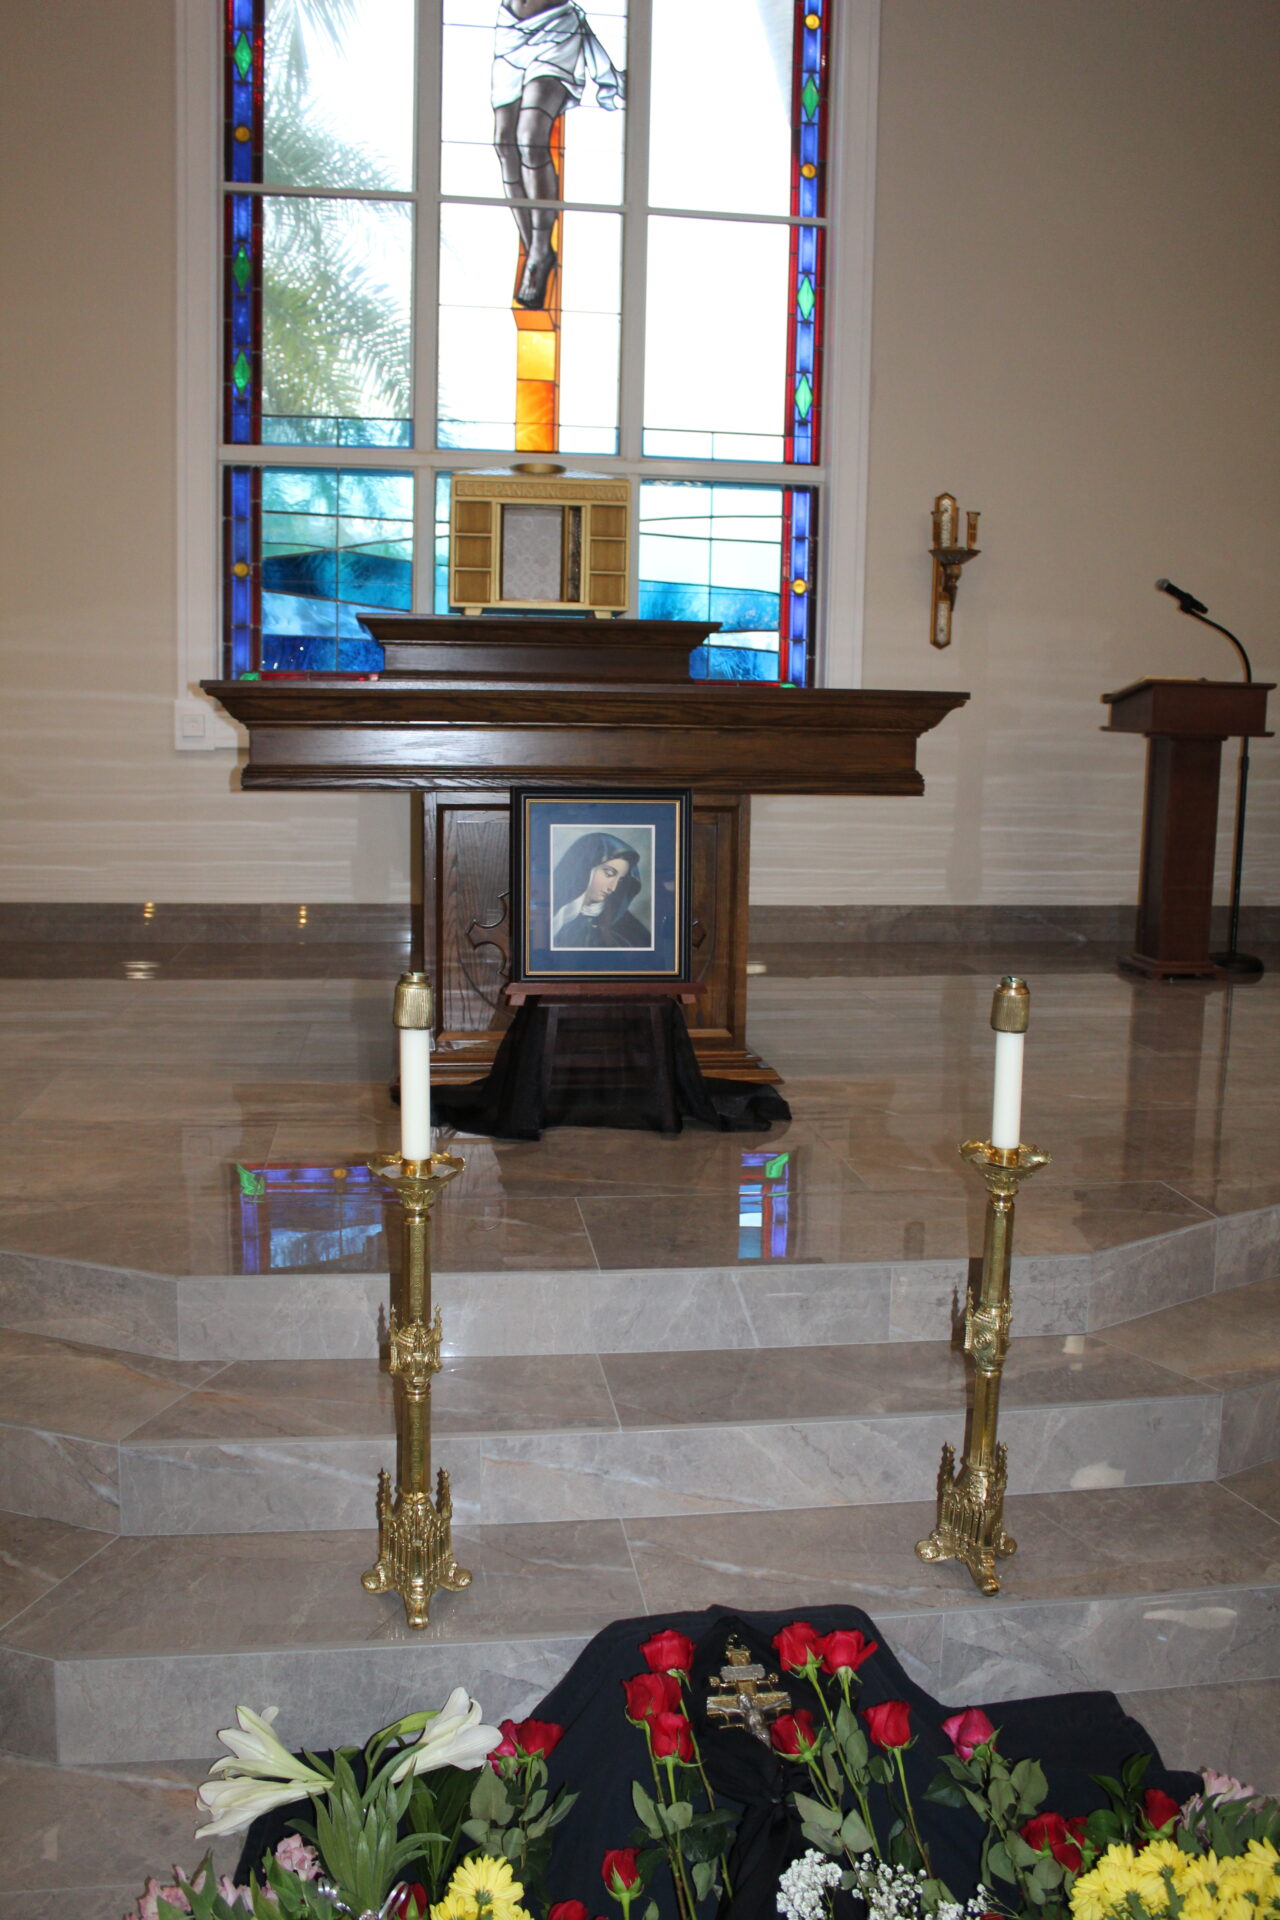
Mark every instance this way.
x=440 y=239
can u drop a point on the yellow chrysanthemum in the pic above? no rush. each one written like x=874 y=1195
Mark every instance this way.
x=1243 y=1887
x=482 y=1888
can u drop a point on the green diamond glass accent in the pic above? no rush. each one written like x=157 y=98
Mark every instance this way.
x=804 y=396
x=242 y=269
x=809 y=97
x=806 y=298
x=240 y=371
x=242 y=54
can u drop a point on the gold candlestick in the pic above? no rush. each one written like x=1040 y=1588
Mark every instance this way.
x=949 y=556
x=971 y=1503
x=415 y=1532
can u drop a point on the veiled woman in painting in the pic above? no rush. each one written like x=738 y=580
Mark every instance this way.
x=595 y=882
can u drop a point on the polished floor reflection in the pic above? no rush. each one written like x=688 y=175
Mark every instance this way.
x=1157 y=1103
x=680 y=1372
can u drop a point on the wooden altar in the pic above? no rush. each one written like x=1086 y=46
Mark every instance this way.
x=468 y=708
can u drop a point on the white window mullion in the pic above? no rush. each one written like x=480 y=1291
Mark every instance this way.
x=635 y=236
x=426 y=302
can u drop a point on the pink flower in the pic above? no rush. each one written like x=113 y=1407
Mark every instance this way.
x=968 y=1730
x=154 y=1892
x=295 y=1856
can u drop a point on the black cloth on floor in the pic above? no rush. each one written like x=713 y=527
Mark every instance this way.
x=1072 y=1736
x=613 y=1080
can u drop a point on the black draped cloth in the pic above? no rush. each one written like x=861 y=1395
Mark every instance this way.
x=616 y=1075
x=1072 y=1735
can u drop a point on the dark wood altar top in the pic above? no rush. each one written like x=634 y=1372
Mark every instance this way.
x=717 y=736
x=548 y=701
x=530 y=647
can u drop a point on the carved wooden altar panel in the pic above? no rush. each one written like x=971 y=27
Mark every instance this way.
x=465 y=928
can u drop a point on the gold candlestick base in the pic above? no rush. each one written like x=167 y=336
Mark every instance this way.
x=971 y=1502
x=415 y=1532
x=415 y=1548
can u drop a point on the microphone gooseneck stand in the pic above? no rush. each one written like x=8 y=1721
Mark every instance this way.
x=1242 y=965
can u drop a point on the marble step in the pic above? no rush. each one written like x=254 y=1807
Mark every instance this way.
x=108 y=1441
x=146 y=1647
x=334 y=1312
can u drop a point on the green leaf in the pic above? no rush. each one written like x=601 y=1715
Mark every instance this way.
x=999 y=1862
x=1031 y=1786
x=489 y=1798
x=855 y=1833
x=820 y=1837
x=942 y=1792
x=880 y=1769
x=651 y=1912
x=704 y=1878
x=1134 y=1770
x=1046 y=1876
x=1020 y=1852
x=826 y=1818
x=646 y=1809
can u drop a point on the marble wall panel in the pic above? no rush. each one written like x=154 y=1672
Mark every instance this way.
x=1049 y=1293
x=1149 y=1274
x=1234 y=1727
x=1248 y=1248
x=171 y=1707
x=292 y=1316
x=1250 y=1425
x=801 y=1306
x=56 y=1476
x=1134 y=1642
x=102 y=1306
x=301 y=1485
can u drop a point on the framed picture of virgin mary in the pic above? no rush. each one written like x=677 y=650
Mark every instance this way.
x=600 y=884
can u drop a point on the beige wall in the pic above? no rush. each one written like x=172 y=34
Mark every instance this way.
x=1075 y=301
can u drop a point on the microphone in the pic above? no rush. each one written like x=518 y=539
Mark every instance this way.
x=1187 y=601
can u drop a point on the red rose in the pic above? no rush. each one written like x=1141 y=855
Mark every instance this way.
x=797 y=1645
x=668 y=1652
x=506 y=1747
x=794 y=1734
x=845 y=1651
x=568 y=1910
x=1049 y=1833
x=650 y=1693
x=1159 y=1808
x=620 y=1872
x=672 y=1736
x=534 y=1736
x=968 y=1730
x=889 y=1724
x=408 y=1901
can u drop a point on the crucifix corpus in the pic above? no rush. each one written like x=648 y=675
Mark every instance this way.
x=744 y=1695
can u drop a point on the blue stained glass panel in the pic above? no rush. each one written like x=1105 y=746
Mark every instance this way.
x=732 y=663
x=328 y=545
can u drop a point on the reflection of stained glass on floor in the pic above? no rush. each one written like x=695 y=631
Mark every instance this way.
x=297 y=1219
x=764 y=1193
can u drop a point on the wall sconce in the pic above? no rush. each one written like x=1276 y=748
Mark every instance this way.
x=948 y=558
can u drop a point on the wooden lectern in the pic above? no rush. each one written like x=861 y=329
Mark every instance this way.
x=1186 y=722
x=466 y=709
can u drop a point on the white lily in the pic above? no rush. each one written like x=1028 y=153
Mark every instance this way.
x=260 y=1772
x=453 y=1737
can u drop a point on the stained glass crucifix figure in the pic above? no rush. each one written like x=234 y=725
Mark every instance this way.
x=543 y=53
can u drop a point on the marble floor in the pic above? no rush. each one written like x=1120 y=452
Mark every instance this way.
x=190 y=1255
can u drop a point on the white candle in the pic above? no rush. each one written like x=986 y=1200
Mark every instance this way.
x=415 y=1093
x=1010 y=1010
x=1006 y=1104
x=413 y=1016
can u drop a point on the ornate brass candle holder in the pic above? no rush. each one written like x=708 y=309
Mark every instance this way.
x=971 y=1502
x=415 y=1531
x=948 y=558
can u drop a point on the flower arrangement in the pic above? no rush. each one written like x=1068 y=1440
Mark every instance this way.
x=441 y=1817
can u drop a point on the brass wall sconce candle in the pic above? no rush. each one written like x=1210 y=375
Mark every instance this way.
x=948 y=558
